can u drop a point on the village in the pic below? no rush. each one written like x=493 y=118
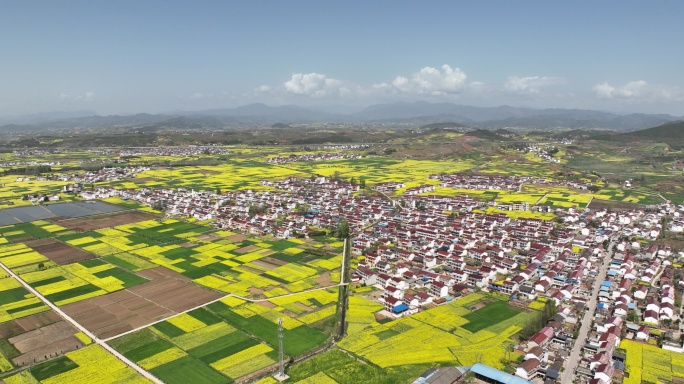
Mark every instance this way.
x=313 y=157
x=422 y=250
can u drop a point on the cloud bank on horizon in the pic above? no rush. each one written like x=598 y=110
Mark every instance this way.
x=449 y=83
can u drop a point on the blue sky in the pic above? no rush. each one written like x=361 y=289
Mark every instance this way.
x=144 y=56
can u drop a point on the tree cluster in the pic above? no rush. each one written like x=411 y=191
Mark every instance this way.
x=539 y=320
x=342 y=230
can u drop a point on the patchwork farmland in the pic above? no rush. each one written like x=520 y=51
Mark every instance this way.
x=150 y=279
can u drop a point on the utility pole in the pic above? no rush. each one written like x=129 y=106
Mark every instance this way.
x=281 y=376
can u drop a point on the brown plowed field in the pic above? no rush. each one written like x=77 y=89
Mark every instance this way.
x=166 y=294
x=28 y=323
x=246 y=249
x=90 y=224
x=236 y=238
x=59 y=252
x=42 y=343
x=598 y=204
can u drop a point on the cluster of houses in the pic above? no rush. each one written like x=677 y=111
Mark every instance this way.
x=33 y=152
x=104 y=174
x=677 y=223
x=431 y=248
x=636 y=302
x=38 y=198
x=500 y=182
x=419 y=190
x=313 y=157
x=543 y=151
x=189 y=150
x=300 y=207
x=484 y=182
x=346 y=146
x=543 y=353
x=11 y=164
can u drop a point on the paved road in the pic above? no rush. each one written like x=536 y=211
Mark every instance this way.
x=81 y=328
x=571 y=364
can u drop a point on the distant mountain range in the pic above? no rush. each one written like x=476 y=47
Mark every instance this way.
x=418 y=113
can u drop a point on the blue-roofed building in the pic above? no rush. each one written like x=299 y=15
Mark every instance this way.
x=606 y=284
x=400 y=308
x=494 y=376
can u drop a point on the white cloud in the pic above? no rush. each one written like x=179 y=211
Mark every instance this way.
x=603 y=90
x=201 y=95
x=429 y=81
x=631 y=90
x=639 y=90
x=88 y=96
x=531 y=84
x=263 y=88
x=315 y=85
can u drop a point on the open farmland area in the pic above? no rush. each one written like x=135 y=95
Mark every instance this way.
x=165 y=294
x=86 y=365
x=448 y=334
x=91 y=224
x=119 y=273
x=650 y=364
x=185 y=269
x=231 y=338
x=58 y=252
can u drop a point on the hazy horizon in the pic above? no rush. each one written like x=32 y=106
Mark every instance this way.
x=148 y=57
